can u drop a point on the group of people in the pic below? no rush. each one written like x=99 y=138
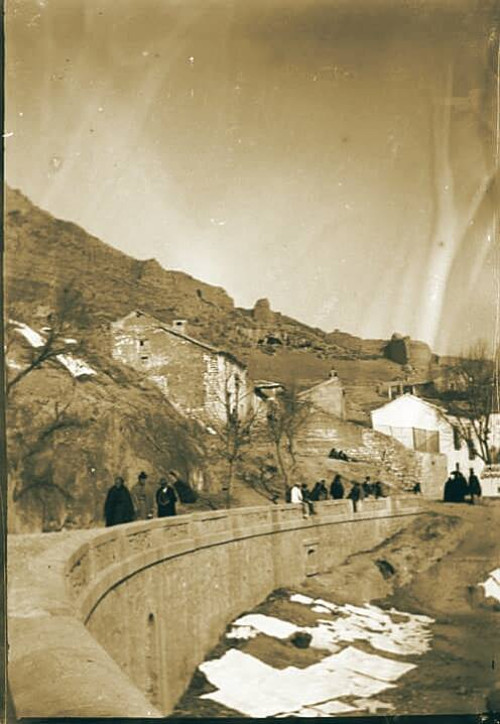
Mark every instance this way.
x=457 y=488
x=359 y=491
x=366 y=489
x=335 y=454
x=124 y=506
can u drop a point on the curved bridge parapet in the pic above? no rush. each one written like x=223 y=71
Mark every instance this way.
x=113 y=622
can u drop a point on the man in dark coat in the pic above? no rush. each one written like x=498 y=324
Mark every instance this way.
x=460 y=485
x=323 y=492
x=449 y=490
x=184 y=491
x=118 y=507
x=356 y=494
x=306 y=497
x=367 y=486
x=336 y=488
x=474 y=486
x=319 y=491
x=166 y=499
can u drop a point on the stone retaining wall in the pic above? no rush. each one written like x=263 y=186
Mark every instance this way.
x=114 y=622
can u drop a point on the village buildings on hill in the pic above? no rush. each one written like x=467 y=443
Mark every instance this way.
x=198 y=379
x=425 y=427
x=204 y=382
x=327 y=396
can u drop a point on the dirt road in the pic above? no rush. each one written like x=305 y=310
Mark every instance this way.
x=431 y=567
x=463 y=664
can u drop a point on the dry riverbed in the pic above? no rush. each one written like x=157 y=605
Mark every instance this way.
x=400 y=629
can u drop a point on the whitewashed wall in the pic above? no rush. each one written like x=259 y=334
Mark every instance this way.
x=399 y=417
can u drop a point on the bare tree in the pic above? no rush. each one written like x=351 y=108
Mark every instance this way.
x=234 y=429
x=262 y=476
x=28 y=444
x=286 y=417
x=69 y=309
x=469 y=398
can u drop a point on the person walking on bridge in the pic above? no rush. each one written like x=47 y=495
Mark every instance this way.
x=118 y=507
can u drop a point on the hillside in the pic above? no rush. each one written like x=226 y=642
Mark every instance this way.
x=112 y=284
x=68 y=438
x=70 y=435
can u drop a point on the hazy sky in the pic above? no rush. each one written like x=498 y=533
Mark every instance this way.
x=324 y=154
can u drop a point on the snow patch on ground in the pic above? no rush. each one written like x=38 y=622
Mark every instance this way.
x=34 y=338
x=348 y=624
x=255 y=689
x=492 y=585
x=255 y=623
x=75 y=366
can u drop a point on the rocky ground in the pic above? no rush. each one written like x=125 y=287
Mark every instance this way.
x=433 y=567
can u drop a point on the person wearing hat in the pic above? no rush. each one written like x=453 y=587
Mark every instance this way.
x=142 y=499
x=166 y=499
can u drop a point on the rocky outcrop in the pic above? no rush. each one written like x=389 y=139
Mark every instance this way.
x=397 y=349
x=111 y=282
x=68 y=439
x=405 y=351
x=262 y=313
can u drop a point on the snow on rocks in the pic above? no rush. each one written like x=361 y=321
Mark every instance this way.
x=75 y=366
x=369 y=623
x=259 y=690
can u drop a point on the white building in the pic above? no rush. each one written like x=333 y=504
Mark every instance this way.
x=494 y=425
x=425 y=427
x=490 y=481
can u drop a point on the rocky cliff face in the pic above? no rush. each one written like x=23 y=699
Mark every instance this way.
x=43 y=253
x=406 y=351
x=68 y=438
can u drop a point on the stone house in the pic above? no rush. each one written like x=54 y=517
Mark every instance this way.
x=327 y=396
x=425 y=427
x=198 y=379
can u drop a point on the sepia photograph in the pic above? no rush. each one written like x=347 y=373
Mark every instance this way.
x=251 y=284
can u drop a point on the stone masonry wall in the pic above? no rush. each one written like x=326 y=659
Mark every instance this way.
x=157 y=595
x=327 y=396
x=396 y=463
x=174 y=363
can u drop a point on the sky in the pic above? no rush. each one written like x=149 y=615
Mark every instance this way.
x=333 y=156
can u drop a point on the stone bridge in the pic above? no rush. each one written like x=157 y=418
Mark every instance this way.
x=113 y=622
